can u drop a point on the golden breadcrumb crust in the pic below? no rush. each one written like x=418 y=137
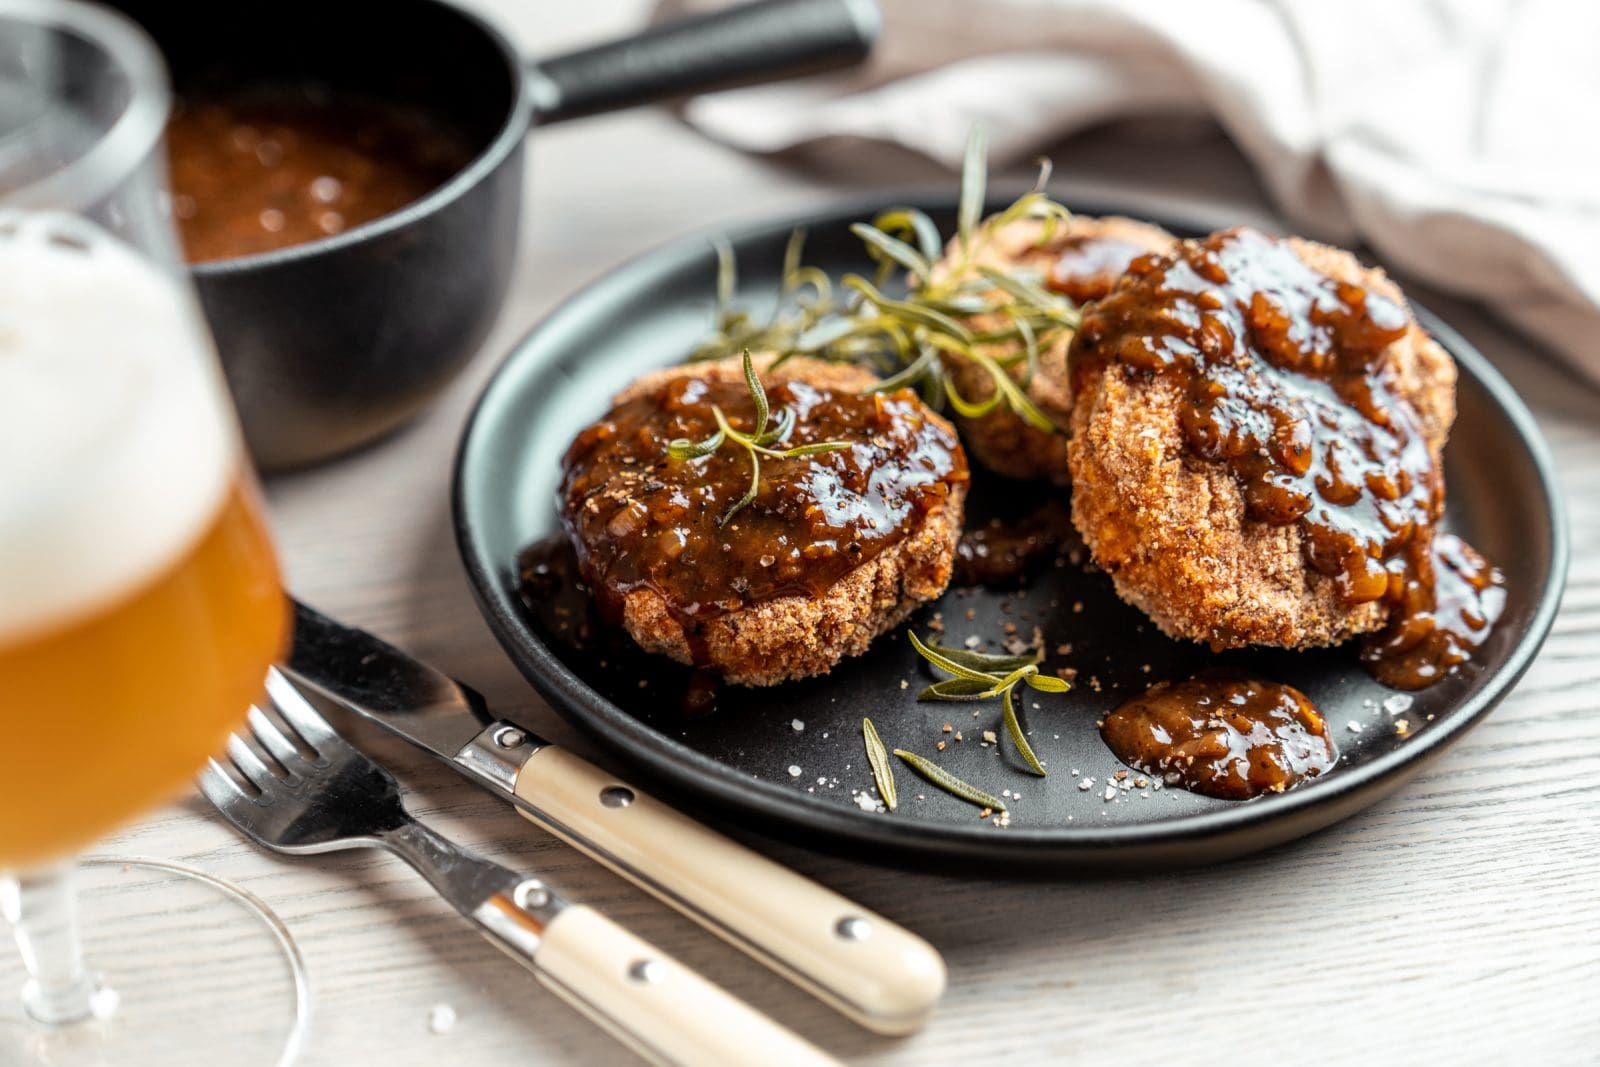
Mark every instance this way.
x=1001 y=440
x=801 y=636
x=1171 y=529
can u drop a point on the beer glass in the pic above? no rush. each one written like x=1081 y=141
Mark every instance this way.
x=140 y=601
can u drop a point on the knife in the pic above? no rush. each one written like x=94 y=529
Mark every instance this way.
x=873 y=971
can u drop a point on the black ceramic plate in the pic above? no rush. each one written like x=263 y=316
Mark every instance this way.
x=788 y=759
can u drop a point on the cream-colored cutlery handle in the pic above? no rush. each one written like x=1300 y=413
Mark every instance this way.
x=877 y=973
x=659 y=1008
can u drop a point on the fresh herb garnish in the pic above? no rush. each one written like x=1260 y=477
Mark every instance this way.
x=755 y=443
x=878 y=758
x=984 y=676
x=908 y=340
x=949 y=782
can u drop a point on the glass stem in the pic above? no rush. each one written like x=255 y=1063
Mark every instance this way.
x=43 y=911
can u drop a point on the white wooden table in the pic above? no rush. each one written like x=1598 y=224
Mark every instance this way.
x=1459 y=921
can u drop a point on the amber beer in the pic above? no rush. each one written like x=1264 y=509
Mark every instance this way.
x=108 y=715
x=140 y=601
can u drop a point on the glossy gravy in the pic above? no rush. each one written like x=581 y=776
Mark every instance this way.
x=1223 y=735
x=1288 y=386
x=259 y=173
x=641 y=519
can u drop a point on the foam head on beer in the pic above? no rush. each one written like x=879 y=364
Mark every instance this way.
x=117 y=446
x=140 y=600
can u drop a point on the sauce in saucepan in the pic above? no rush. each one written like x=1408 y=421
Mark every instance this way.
x=257 y=173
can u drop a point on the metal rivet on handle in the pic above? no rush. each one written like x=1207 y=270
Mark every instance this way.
x=531 y=894
x=853 y=928
x=645 y=972
x=616 y=796
x=510 y=738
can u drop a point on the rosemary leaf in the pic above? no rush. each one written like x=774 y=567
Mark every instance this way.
x=881 y=246
x=757 y=393
x=974 y=174
x=727 y=275
x=749 y=494
x=910 y=375
x=1018 y=738
x=908 y=311
x=944 y=663
x=988 y=662
x=793 y=258
x=1048 y=683
x=882 y=769
x=949 y=782
x=956 y=689
x=1032 y=295
x=683 y=448
x=909 y=222
x=816 y=448
x=966 y=408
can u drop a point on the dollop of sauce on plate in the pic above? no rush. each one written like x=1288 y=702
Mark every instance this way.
x=281 y=167
x=1289 y=385
x=1222 y=735
x=641 y=519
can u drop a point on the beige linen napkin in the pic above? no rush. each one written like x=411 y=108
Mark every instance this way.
x=1460 y=139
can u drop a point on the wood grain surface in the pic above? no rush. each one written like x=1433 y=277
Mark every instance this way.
x=1459 y=921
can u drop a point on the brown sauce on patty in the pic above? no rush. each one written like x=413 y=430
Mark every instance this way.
x=1287 y=384
x=1222 y=735
x=266 y=171
x=640 y=519
x=1089 y=266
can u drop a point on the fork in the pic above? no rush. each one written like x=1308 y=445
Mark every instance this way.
x=311 y=792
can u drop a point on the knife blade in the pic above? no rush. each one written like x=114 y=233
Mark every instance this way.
x=873 y=971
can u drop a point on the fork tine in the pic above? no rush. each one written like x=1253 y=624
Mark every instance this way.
x=277 y=745
x=219 y=787
x=250 y=765
x=299 y=714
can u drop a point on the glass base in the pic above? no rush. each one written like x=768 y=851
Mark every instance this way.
x=188 y=968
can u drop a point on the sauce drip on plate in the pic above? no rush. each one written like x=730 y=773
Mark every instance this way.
x=641 y=519
x=1002 y=554
x=257 y=173
x=1222 y=735
x=1288 y=384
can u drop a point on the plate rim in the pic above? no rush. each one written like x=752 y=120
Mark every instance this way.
x=742 y=798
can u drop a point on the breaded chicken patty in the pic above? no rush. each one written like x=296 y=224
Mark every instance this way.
x=1256 y=430
x=1082 y=260
x=834 y=549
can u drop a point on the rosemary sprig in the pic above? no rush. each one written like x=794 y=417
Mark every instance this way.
x=909 y=341
x=756 y=443
x=878 y=758
x=949 y=782
x=984 y=676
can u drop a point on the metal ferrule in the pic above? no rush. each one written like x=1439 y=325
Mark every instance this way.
x=495 y=757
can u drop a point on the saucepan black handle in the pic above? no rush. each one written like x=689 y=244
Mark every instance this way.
x=751 y=42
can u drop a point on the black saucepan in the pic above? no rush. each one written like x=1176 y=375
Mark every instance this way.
x=331 y=344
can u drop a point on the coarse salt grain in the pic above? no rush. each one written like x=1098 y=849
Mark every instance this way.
x=441 y=1019
x=794 y=770
x=1397 y=703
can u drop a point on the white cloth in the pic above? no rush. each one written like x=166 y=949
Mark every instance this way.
x=1460 y=139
